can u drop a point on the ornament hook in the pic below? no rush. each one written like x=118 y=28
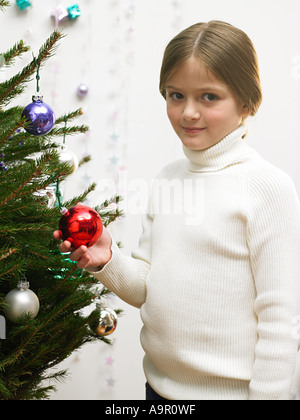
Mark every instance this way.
x=57 y=192
x=38 y=66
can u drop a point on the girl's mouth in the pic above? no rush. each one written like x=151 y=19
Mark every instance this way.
x=193 y=130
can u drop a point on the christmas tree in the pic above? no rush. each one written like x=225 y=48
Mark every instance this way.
x=30 y=167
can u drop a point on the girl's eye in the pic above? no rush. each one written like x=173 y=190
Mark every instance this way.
x=176 y=96
x=210 y=97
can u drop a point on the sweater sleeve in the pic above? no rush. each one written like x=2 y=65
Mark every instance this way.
x=274 y=244
x=126 y=276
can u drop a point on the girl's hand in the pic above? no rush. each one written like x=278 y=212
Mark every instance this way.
x=93 y=258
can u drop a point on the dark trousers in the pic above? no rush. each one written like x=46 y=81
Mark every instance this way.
x=152 y=395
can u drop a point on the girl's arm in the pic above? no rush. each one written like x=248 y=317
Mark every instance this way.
x=126 y=276
x=274 y=243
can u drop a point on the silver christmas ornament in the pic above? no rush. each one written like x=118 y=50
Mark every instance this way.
x=107 y=321
x=66 y=156
x=21 y=301
x=47 y=196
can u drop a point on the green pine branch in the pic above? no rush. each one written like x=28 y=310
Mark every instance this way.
x=16 y=85
x=35 y=345
x=29 y=171
x=16 y=51
x=70 y=116
x=4 y=3
x=60 y=132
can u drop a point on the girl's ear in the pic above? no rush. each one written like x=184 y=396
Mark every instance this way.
x=245 y=112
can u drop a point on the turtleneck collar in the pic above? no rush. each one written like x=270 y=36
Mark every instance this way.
x=227 y=152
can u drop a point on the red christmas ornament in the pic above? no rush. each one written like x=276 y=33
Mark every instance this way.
x=80 y=225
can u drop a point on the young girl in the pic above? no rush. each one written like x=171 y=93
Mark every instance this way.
x=217 y=271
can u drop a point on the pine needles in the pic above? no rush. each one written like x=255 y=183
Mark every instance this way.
x=28 y=165
x=16 y=85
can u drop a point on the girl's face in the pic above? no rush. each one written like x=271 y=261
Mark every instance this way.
x=201 y=108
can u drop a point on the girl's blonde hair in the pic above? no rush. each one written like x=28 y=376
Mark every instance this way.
x=226 y=51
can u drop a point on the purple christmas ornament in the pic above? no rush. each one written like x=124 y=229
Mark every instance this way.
x=82 y=90
x=39 y=116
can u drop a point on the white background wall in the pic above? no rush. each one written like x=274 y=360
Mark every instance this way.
x=116 y=47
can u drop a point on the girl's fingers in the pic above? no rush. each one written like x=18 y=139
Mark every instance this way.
x=78 y=253
x=56 y=235
x=84 y=261
x=65 y=247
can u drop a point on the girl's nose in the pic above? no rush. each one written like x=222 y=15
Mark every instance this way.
x=191 y=111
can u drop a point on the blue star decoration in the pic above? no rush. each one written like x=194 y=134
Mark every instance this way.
x=74 y=11
x=114 y=137
x=23 y=4
x=110 y=382
x=114 y=160
x=86 y=179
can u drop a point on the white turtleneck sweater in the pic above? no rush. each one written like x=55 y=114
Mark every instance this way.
x=217 y=276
